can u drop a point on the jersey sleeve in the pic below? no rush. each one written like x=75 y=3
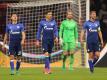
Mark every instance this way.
x=38 y=35
x=61 y=30
x=7 y=29
x=22 y=28
x=85 y=26
x=56 y=29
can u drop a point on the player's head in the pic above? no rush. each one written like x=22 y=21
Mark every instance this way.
x=48 y=15
x=93 y=15
x=14 y=17
x=69 y=14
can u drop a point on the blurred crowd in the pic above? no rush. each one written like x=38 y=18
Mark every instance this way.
x=101 y=8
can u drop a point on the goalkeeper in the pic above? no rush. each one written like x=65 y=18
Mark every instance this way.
x=68 y=37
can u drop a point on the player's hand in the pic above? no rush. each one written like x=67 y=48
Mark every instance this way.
x=22 y=42
x=37 y=43
x=76 y=44
x=60 y=41
x=56 y=40
x=3 y=47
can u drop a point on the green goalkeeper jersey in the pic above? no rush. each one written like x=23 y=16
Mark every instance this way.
x=68 y=31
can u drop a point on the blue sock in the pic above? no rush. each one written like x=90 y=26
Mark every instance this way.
x=90 y=64
x=95 y=60
x=47 y=62
x=18 y=65
x=12 y=65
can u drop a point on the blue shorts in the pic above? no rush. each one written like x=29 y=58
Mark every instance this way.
x=93 y=47
x=15 y=48
x=47 y=45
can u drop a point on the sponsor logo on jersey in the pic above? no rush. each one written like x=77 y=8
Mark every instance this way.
x=47 y=28
x=92 y=30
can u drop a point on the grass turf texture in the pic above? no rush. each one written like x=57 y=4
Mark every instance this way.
x=58 y=74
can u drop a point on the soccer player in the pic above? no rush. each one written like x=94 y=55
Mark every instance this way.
x=68 y=37
x=15 y=32
x=92 y=28
x=49 y=30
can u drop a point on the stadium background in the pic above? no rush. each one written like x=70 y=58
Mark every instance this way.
x=30 y=14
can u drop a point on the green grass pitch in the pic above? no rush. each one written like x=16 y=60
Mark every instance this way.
x=58 y=74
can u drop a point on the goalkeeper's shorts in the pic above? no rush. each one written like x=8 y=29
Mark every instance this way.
x=69 y=46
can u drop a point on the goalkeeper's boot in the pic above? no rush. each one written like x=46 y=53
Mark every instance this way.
x=63 y=66
x=71 y=67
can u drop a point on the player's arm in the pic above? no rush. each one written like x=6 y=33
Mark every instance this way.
x=83 y=32
x=82 y=35
x=56 y=32
x=23 y=35
x=38 y=36
x=5 y=36
x=5 y=39
x=61 y=32
x=100 y=36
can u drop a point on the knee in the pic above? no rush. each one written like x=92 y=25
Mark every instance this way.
x=71 y=52
x=11 y=57
x=90 y=56
x=97 y=55
x=65 y=53
x=46 y=54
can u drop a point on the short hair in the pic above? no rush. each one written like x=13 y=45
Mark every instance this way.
x=93 y=11
x=69 y=10
x=48 y=11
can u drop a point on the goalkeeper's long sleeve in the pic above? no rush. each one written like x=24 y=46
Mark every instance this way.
x=61 y=31
x=76 y=32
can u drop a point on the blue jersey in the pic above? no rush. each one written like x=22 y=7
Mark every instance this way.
x=15 y=31
x=92 y=29
x=48 y=29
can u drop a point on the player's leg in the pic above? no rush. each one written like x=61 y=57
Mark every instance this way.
x=65 y=53
x=46 y=60
x=50 y=47
x=72 y=47
x=11 y=53
x=90 y=59
x=96 y=57
x=97 y=50
x=18 y=54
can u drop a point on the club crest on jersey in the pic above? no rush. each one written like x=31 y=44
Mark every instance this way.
x=52 y=24
x=96 y=25
x=17 y=26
